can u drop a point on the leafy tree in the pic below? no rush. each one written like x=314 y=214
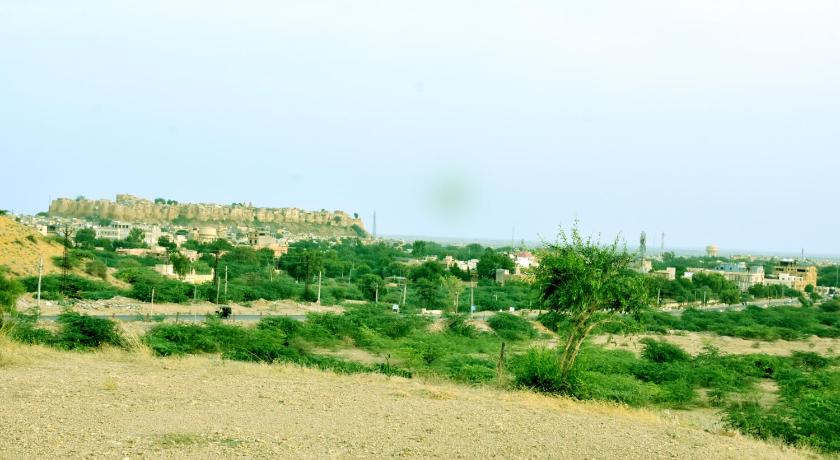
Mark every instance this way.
x=303 y=262
x=370 y=284
x=135 y=236
x=430 y=270
x=10 y=289
x=86 y=237
x=180 y=265
x=490 y=261
x=589 y=284
x=453 y=288
x=165 y=242
x=428 y=292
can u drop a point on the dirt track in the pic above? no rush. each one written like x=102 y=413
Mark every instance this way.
x=115 y=404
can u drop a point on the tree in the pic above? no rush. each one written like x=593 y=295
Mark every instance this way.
x=165 y=242
x=429 y=292
x=180 y=265
x=10 y=289
x=453 y=288
x=135 y=236
x=490 y=261
x=85 y=237
x=371 y=285
x=589 y=284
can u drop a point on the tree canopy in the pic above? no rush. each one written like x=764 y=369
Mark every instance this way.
x=589 y=284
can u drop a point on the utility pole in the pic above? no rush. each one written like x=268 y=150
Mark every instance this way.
x=472 y=293
x=226 y=283
x=65 y=263
x=153 y=296
x=376 y=293
x=319 y=287
x=405 y=290
x=40 y=275
x=218 y=287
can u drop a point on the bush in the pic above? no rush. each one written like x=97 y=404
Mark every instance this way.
x=287 y=326
x=538 y=369
x=470 y=370
x=96 y=268
x=74 y=286
x=458 y=325
x=82 y=331
x=660 y=351
x=617 y=388
x=511 y=327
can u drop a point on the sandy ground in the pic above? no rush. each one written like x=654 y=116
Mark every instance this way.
x=116 y=404
x=22 y=247
x=693 y=342
x=123 y=306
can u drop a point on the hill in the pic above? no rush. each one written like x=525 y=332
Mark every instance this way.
x=115 y=404
x=21 y=247
x=133 y=209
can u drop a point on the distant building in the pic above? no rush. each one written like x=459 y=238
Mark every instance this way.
x=115 y=231
x=739 y=273
x=804 y=274
x=712 y=250
x=669 y=273
x=523 y=261
x=644 y=266
x=502 y=275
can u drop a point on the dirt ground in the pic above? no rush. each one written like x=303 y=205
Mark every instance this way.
x=123 y=306
x=117 y=404
x=693 y=342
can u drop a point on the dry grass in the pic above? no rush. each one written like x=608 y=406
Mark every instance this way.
x=22 y=247
x=206 y=407
x=693 y=342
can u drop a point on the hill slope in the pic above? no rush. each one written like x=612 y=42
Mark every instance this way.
x=112 y=404
x=21 y=247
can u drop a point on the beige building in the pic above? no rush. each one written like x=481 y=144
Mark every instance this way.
x=804 y=274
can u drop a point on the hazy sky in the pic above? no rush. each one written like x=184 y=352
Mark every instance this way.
x=715 y=121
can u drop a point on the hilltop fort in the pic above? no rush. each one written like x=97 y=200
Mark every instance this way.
x=130 y=208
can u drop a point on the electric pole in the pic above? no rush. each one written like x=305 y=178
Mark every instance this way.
x=218 y=287
x=319 y=287
x=40 y=275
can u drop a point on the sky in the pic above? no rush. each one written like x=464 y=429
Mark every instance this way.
x=712 y=121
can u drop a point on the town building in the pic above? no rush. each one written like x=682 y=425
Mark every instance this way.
x=805 y=274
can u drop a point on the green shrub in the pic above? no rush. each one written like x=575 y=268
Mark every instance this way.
x=22 y=329
x=660 y=351
x=618 y=388
x=458 y=325
x=288 y=326
x=83 y=331
x=470 y=370
x=678 y=393
x=511 y=327
x=538 y=369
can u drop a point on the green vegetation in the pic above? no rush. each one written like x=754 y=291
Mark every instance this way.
x=10 y=289
x=512 y=327
x=586 y=287
x=75 y=332
x=74 y=286
x=588 y=284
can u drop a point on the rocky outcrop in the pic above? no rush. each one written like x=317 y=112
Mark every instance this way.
x=129 y=208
